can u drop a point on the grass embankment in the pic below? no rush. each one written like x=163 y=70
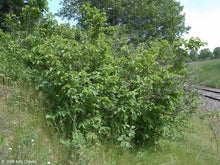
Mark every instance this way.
x=209 y=73
x=25 y=135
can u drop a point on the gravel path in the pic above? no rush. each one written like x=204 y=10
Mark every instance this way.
x=210 y=104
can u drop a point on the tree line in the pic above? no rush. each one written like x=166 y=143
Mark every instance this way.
x=204 y=54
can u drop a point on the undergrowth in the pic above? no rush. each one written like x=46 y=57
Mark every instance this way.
x=26 y=135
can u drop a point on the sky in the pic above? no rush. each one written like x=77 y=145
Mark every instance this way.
x=54 y=7
x=203 y=18
x=201 y=15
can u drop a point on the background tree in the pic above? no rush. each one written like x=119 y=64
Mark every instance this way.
x=21 y=12
x=9 y=7
x=193 y=55
x=205 y=54
x=216 y=52
x=143 y=19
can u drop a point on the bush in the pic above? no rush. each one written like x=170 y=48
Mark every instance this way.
x=101 y=89
x=12 y=66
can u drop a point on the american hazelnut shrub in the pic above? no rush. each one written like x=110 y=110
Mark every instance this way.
x=100 y=87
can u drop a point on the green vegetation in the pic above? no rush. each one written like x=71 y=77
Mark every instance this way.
x=194 y=148
x=23 y=15
x=216 y=52
x=26 y=135
x=98 y=88
x=209 y=72
x=204 y=54
x=141 y=20
x=86 y=95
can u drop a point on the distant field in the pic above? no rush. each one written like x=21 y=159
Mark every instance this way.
x=209 y=73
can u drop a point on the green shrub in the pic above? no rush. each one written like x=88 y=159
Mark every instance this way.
x=104 y=90
x=127 y=94
x=12 y=67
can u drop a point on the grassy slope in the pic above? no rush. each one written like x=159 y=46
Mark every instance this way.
x=210 y=72
x=23 y=129
x=194 y=149
x=24 y=134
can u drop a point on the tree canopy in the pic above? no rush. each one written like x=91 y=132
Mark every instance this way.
x=24 y=12
x=10 y=6
x=216 y=52
x=193 y=55
x=143 y=19
x=205 y=54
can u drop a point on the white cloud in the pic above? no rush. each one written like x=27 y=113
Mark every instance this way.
x=204 y=25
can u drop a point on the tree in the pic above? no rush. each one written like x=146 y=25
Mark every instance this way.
x=216 y=52
x=193 y=55
x=9 y=7
x=144 y=19
x=205 y=54
x=23 y=12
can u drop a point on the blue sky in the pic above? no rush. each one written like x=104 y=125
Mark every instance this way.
x=202 y=15
x=201 y=5
x=54 y=5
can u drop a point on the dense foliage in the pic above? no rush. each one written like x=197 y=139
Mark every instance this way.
x=143 y=20
x=100 y=87
x=10 y=6
x=194 y=55
x=24 y=14
x=205 y=54
x=12 y=67
x=216 y=52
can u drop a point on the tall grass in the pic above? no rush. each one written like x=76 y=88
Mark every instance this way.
x=210 y=72
x=193 y=149
x=24 y=134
